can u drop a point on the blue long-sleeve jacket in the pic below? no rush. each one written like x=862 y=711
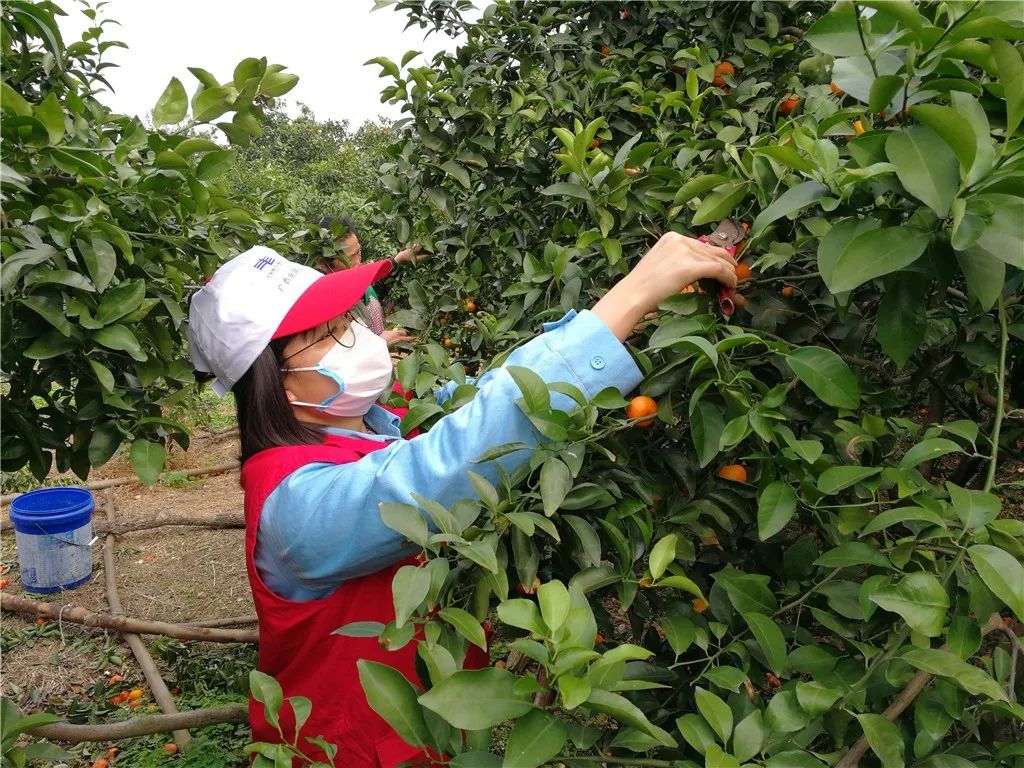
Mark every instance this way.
x=321 y=525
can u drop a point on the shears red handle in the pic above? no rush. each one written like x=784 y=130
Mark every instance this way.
x=728 y=235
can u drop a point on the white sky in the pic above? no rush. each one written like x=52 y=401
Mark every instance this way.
x=324 y=42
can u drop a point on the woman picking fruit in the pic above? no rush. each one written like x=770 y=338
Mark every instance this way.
x=320 y=454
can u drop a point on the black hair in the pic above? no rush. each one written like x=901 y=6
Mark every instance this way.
x=344 y=221
x=265 y=417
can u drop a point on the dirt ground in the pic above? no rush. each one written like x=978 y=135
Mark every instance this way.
x=174 y=574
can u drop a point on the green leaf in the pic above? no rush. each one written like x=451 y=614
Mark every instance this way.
x=393 y=697
x=267 y=691
x=715 y=711
x=406 y=520
x=926 y=166
x=824 y=372
x=477 y=699
x=920 y=599
x=882 y=90
x=768 y=635
x=1011 y=77
x=725 y=677
x=718 y=204
x=816 y=699
x=835 y=33
x=791 y=201
x=121 y=301
x=784 y=713
x=775 y=508
x=952 y=127
x=875 y=253
x=120 y=338
x=535 y=739
x=1002 y=573
x=103 y=375
x=927 y=450
x=535 y=392
x=706 y=425
x=696 y=732
x=466 y=625
x=554 y=603
x=975 y=509
x=100 y=260
x=566 y=189
x=984 y=273
x=409 y=587
x=900 y=515
x=903 y=316
x=523 y=614
x=360 y=629
x=944 y=664
x=626 y=712
x=852 y=554
x=835 y=241
x=555 y=484
x=662 y=555
x=749 y=736
x=147 y=460
x=172 y=106
x=457 y=171
x=51 y=114
x=697 y=186
x=1002 y=237
x=215 y=164
x=210 y=103
x=885 y=739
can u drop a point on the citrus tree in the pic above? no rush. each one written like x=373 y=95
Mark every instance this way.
x=108 y=225
x=798 y=550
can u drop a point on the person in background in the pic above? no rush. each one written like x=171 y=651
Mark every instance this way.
x=320 y=454
x=350 y=254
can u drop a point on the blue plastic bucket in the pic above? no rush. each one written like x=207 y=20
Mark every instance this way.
x=53 y=529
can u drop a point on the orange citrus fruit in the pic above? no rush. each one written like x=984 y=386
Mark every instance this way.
x=858 y=126
x=170 y=749
x=837 y=90
x=789 y=104
x=135 y=693
x=699 y=605
x=101 y=762
x=470 y=305
x=640 y=407
x=723 y=68
x=734 y=472
x=788 y=291
x=743 y=271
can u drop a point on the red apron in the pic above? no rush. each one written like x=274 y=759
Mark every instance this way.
x=296 y=644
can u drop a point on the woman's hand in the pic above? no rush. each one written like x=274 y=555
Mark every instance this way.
x=396 y=336
x=411 y=254
x=675 y=261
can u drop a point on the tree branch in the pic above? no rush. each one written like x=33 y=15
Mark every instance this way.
x=142 y=726
x=905 y=699
x=78 y=615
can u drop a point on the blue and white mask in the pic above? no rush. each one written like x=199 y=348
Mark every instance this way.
x=362 y=370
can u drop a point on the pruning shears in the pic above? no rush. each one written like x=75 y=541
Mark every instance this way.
x=728 y=235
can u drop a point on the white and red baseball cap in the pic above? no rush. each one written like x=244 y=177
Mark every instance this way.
x=260 y=295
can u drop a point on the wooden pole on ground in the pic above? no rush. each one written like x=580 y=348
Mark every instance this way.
x=160 y=520
x=161 y=694
x=230 y=621
x=78 y=615
x=142 y=726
